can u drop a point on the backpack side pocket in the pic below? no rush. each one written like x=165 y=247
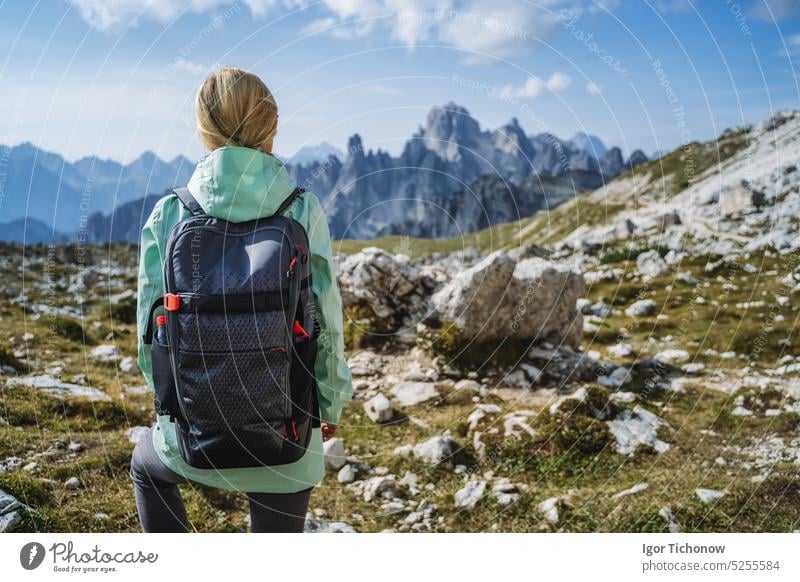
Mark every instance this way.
x=166 y=395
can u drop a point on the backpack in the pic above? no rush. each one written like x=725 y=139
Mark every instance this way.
x=235 y=373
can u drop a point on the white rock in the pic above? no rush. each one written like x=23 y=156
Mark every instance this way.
x=624 y=397
x=638 y=488
x=672 y=356
x=641 y=308
x=637 y=427
x=741 y=411
x=347 y=474
x=524 y=299
x=709 y=495
x=72 y=483
x=621 y=350
x=436 y=449
x=105 y=353
x=471 y=493
x=334 y=454
x=378 y=408
x=128 y=365
x=549 y=507
x=466 y=384
x=403 y=450
x=413 y=393
x=616 y=379
x=669 y=517
x=650 y=264
x=54 y=387
x=384 y=486
x=316 y=525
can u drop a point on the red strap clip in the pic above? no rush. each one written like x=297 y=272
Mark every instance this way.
x=292 y=264
x=172 y=302
x=299 y=331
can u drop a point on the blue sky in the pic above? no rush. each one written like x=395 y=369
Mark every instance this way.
x=116 y=78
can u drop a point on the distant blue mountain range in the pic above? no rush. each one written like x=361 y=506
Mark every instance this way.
x=449 y=163
x=57 y=197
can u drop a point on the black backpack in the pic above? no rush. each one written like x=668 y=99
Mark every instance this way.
x=235 y=373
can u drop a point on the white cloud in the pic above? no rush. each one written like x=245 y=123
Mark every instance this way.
x=483 y=30
x=381 y=89
x=791 y=50
x=188 y=66
x=775 y=9
x=120 y=13
x=535 y=87
x=668 y=6
x=594 y=89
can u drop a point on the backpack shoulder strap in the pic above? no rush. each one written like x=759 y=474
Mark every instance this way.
x=189 y=201
x=296 y=193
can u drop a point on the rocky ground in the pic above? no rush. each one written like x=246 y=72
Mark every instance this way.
x=630 y=372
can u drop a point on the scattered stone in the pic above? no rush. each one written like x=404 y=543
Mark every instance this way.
x=347 y=474
x=467 y=385
x=638 y=488
x=75 y=447
x=413 y=393
x=632 y=428
x=498 y=286
x=10 y=512
x=128 y=365
x=317 y=525
x=470 y=494
x=621 y=350
x=709 y=495
x=436 y=450
x=505 y=492
x=669 y=517
x=672 y=356
x=384 y=486
x=102 y=516
x=334 y=454
x=72 y=483
x=378 y=409
x=650 y=264
x=641 y=308
x=616 y=379
x=741 y=411
x=54 y=387
x=549 y=507
x=105 y=353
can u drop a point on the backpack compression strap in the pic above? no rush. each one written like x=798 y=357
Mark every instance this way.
x=186 y=198
x=296 y=193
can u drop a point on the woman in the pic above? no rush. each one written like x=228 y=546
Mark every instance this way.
x=240 y=180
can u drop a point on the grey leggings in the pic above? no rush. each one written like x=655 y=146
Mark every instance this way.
x=161 y=509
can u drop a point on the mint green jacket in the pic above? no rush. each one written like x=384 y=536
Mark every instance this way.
x=239 y=184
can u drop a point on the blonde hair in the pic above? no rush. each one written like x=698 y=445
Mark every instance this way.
x=235 y=108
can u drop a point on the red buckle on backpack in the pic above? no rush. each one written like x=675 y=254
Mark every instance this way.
x=172 y=302
x=299 y=331
x=292 y=264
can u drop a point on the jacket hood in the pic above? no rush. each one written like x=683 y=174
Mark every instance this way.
x=239 y=184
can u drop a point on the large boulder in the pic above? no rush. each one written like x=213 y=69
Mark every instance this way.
x=390 y=290
x=532 y=299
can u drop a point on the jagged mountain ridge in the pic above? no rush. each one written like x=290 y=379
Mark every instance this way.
x=372 y=193
x=367 y=193
x=43 y=186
